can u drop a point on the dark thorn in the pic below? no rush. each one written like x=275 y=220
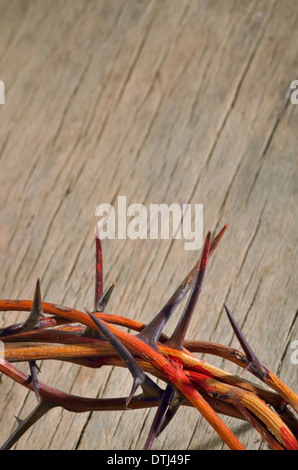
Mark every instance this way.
x=252 y=359
x=135 y=384
x=34 y=369
x=149 y=388
x=161 y=409
x=177 y=339
x=173 y=407
x=98 y=269
x=151 y=333
x=23 y=425
x=33 y=321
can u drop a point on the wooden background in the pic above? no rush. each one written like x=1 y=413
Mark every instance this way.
x=162 y=101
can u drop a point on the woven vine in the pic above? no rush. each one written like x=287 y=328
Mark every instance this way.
x=96 y=339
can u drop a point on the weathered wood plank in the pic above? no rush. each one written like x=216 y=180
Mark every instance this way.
x=163 y=104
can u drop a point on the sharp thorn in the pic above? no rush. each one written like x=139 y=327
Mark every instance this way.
x=150 y=389
x=252 y=359
x=159 y=415
x=177 y=339
x=175 y=403
x=151 y=333
x=136 y=383
x=33 y=321
x=23 y=425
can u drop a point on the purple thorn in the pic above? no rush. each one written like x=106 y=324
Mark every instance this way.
x=33 y=321
x=151 y=333
x=159 y=415
x=177 y=339
x=252 y=359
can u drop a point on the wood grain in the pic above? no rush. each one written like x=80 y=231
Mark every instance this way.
x=171 y=101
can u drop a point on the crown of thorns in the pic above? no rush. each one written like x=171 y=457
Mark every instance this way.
x=94 y=339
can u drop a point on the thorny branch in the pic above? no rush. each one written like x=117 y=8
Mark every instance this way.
x=94 y=339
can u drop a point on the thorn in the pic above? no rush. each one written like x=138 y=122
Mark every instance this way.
x=136 y=383
x=33 y=321
x=252 y=359
x=175 y=403
x=23 y=425
x=149 y=388
x=177 y=339
x=160 y=412
x=98 y=269
x=151 y=333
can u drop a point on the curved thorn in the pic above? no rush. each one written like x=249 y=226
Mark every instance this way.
x=177 y=339
x=252 y=359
